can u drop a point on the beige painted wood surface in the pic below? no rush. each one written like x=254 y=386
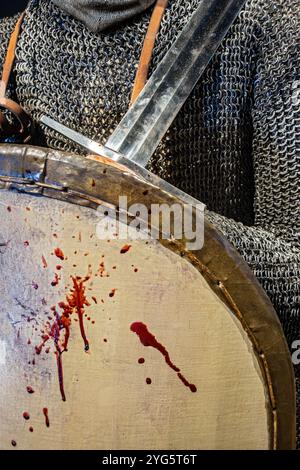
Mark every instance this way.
x=108 y=403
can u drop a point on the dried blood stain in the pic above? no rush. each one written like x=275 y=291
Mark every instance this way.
x=75 y=302
x=112 y=293
x=55 y=280
x=148 y=339
x=45 y=412
x=58 y=252
x=125 y=249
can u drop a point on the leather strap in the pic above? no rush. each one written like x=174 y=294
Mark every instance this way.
x=24 y=122
x=10 y=56
x=147 y=51
x=23 y=125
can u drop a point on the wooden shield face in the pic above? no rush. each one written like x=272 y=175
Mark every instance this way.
x=123 y=344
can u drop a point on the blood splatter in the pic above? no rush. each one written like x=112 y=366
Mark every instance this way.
x=60 y=374
x=59 y=253
x=44 y=262
x=29 y=389
x=125 y=249
x=148 y=381
x=148 y=339
x=55 y=280
x=58 y=267
x=38 y=349
x=95 y=300
x=102 y=271
x=112 y=293
x=26 y=415
x=26 y=243
x=45 y=412
x=13 y=443
x=31 y=429
x=75 y=302
x=141 y=360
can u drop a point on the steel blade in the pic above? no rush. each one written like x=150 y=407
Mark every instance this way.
x=139 y=171
x=144 y=125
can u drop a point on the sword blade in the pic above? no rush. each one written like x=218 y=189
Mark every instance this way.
x=139 y=171
x=146 y=122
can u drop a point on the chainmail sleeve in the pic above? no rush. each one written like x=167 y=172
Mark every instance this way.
x=236 y=143
x=6 y=28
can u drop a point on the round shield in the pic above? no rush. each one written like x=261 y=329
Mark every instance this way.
x=112 y=338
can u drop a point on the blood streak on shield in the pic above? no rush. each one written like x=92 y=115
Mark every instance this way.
x=148 y=339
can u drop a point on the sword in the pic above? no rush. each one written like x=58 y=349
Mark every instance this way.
x=144 y=125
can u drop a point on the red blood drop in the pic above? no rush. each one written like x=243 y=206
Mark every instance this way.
x=58 y=252
x=112 y=292
x=125 y=249
x=148 y=381
x=29 y=389
x=26 y=415
x=141 y=360
x=55 y=280
x=13 y=443
x=31 y=429
x=47 y=422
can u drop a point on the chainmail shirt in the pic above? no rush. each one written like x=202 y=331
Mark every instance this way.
x=236 y=143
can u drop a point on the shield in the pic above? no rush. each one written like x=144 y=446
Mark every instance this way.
x=110 y=343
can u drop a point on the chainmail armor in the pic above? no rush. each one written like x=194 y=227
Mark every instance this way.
x=236 y=143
